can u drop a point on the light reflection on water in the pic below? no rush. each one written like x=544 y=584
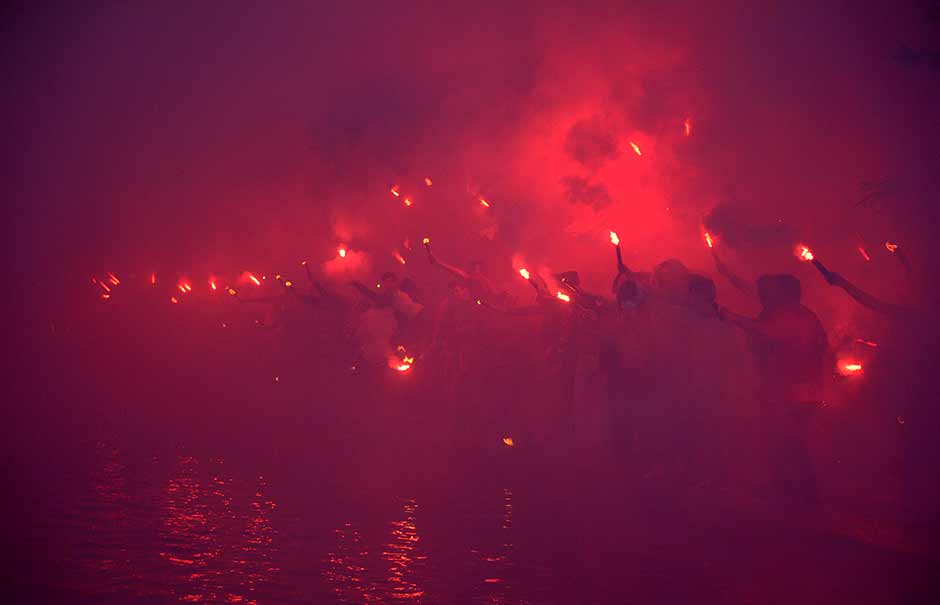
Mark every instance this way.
x=191 y=530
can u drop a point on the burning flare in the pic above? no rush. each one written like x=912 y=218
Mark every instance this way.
x=636 y=148
x=484 y=203
x=427 y=181
x=850 y=368
x=254 y=279
x=341 y=251
x=408 y=201
x=524 y=273
x=212 y=285
x=892 y=248
x=562 y=297
x=399 y=258
x=688 y=127
x=113 y=279
x=395 y=190
x=614 y=238
x=153 y=279
x=508 y=441
x=708 y=240
x=804 y=253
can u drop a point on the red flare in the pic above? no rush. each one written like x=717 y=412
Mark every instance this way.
x=614 y=238
x=181 y=288
x=231 y=291
x=153 y=279
x=104 y=287
x=427 y=181
x=508 y=441
x=212 y=285
x=562 y=297
x=174 y=300
x=484 y=203
x=400 y=258
x=341 y=251
x=636 y=148
x=254 y=279
x=408 y=202
x=708 y=240
x=850 y=368
x=804 y=253
x=395 y=191
x=688 y=127
x=892 y=248
x=113 y=279
x=864 y=254
x=288 y=283
x=524 y=273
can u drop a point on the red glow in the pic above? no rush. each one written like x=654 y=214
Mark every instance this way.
x=181 y=288
x=562 y=297
x=341 y=251
x=153 y=279
x=231 y=291
x=614 y=238
x=212 y=285
x=288 y=283
x=804 y=253
x=105 y=296
x=104 y=287
x=524 y=273
x=864 y=254
x=892 y=248
x=426 y=241
x=400 y=258
x=254 y=279
x=395 y=190
x=484 y=203
x=708 y=240
x=688 y=127
x=427 y=181
x=174 y=300
x=508 y=441
x=848 y=369
x=636 y=148
x=408 y=201
x=113 y=279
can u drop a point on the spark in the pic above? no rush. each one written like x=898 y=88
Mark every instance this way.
x=484 y=203
x=636 y=148
x=105 y=287
x=231 y=291
x=614 y=238
x=288 y=283
x=105 y=295
x=426 y=241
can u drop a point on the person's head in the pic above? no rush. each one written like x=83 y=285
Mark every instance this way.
x=670 y=280
x=629 y=295
x=778 y=290
x=458 y=290
x=702 y=294
x=390 y=281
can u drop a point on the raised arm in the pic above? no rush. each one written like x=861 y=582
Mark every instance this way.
x=369 y=293
x=870 y=302
x=456 y=271
x=738 y=282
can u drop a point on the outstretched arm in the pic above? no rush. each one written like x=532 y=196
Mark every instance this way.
x=367 y=292
x=456 y=271
x=868 y=301
x=738 y=282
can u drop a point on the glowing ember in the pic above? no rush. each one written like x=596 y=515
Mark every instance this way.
x=399 y=258
x=708 y=240
x=341 y=251
x=524 y=273
x=427 y=181
x=484 y=203
x=562 y=296
x=395 y=191
x=153 y=279
x=688 y=127
x=508 y=441
x=408 y=201
x=636 y=148
x=804 y=253
x=614 y=238
x=864 y=254
x=891 y=247
x=254 y=279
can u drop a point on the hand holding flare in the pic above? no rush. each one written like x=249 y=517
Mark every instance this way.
x=805 y=254
x=427 y=247
x=615 y=240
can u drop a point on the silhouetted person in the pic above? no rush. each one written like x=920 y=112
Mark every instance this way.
x=791 y=349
